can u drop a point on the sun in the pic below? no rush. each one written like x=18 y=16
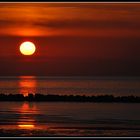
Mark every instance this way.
x=27 y=48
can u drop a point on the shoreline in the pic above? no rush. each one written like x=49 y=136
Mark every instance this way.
x=69 y=98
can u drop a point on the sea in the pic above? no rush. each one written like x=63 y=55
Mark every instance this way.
x=47 y=119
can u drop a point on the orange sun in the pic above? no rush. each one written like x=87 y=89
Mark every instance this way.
x=27 y=48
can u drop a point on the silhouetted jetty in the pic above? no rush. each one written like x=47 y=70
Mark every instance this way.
x=69 y=98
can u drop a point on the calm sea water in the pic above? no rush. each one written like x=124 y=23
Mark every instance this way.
x=69 y=119
x=70 y=85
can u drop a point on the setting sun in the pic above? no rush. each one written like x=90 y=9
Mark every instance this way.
x=27 y=48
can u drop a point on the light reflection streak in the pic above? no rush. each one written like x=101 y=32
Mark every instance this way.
x=26 y=126
x=27 y=85
x=26 y=111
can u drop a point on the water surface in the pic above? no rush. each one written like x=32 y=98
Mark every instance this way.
x=69 y=119
x=70 y=85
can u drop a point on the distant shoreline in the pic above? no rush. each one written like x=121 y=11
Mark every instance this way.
x=70 y=98
x=73 y=77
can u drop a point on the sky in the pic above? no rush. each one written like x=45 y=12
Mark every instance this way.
x=72 y=39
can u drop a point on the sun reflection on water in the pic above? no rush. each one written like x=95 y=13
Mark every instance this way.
x=27 y=84
x=26 y=126
x=26 y=120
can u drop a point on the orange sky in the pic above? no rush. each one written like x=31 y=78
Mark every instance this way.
x=90 y=19
x=71 y=38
